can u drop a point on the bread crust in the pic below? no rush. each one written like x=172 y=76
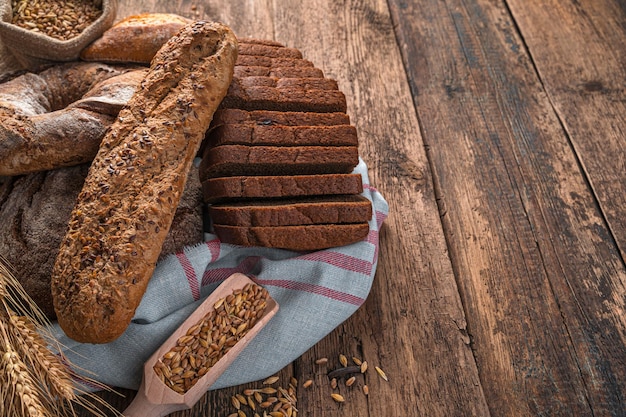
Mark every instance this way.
x=134 y=185
x=294 y=212
x=221 y=189
x=47 y=123
x=296 y=238
x=236 y=160
x=136 y=38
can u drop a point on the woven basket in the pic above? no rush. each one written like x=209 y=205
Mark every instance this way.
x=33 y=49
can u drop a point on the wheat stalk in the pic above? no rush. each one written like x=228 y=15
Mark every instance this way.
x=38 y=382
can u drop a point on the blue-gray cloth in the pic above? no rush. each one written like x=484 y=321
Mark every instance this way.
x=316 y=292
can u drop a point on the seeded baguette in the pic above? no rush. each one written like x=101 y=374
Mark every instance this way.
x=126 y=206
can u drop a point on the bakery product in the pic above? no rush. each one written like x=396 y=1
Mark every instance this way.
x=58 y=117
x=127 y=203
x=136 y=38
x=272 y=135
x=247 y=187
x=242 y=96
x=292 y=212
x=277 y=161
x=268 y=117
x=231 y=160
x=296 y=238
x=34 y=212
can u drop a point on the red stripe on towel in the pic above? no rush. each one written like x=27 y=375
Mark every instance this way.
x=314 y=289
x=190 y=274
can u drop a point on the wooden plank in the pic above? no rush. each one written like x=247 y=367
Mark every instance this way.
x=540 y=277
x=579 y=50
x=413 y=324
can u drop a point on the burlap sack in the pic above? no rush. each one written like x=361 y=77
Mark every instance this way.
x=33 y=49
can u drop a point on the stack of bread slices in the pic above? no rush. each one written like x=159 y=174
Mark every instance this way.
x=277 y=162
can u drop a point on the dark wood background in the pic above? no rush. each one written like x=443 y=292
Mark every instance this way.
x=496 y=131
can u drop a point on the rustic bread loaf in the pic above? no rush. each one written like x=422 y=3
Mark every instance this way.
x=127 y=203
x=222 y=189
x=235 y=160
x=293 y=212
x=296 y=238
x=58 y=117
x=34 y=213
x=135 y=38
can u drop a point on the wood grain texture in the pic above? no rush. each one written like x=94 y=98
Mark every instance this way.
x=495 y=131
x=422 y=331
x=580 y=53
x=541 y=280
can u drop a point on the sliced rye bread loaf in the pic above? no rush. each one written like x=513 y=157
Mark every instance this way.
x=292 y=212
x=233 y=160
x=277 y=161
x=222 y=189
x=296 y=238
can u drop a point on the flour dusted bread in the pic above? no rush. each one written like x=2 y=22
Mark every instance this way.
x=58 y=117
x=126 y=206
x=34 y=212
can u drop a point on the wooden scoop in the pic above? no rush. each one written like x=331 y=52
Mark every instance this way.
x=155 y=398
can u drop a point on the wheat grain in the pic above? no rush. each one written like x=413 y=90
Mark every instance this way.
x=271 y=380
x=337 y=397
x=208 y=340
x=61 y=20
x=343 y=360
x=25 y=399
x=382 y=373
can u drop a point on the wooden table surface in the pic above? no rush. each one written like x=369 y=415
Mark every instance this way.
x=496 y=130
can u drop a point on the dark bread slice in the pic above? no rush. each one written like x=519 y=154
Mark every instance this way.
x=247 y=187
x=256 y=41
x=253 y=134
x=283 y=99
x=273 y=51
x=233 y=160
x=296 y=238
x=289 y=72
x=269 y=117
x=304 y=83
x=292 y=212
x=271 y=62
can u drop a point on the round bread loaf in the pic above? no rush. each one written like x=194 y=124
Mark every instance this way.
x=35 y=210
